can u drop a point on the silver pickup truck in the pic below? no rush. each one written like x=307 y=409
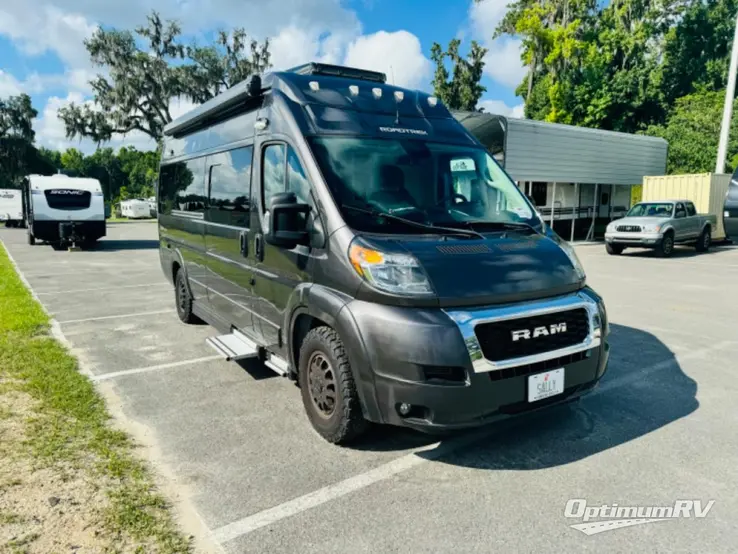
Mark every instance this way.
x=659 y=225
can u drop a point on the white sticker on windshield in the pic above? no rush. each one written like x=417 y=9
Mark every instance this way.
x=463 y=164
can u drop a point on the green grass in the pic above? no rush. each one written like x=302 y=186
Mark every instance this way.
x=70 y=426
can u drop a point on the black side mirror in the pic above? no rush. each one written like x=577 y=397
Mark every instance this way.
x=287 y=221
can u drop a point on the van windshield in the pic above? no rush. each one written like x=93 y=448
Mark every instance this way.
x=431 y=183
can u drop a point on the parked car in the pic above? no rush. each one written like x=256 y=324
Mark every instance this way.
x=356 y=238
x=659 y=226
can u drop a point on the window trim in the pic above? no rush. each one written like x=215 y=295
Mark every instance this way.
x=287 y=148
x=210 y=166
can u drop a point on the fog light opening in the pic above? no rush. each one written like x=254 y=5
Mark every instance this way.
x=405 y=409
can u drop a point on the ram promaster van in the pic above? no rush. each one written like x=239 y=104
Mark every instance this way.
x=63 y=210
x=356 y=238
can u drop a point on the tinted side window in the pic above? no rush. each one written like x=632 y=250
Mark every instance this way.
x=691 y=209
x=680 y=211
x=182 y=187
x=230 y=187
x=274 y=171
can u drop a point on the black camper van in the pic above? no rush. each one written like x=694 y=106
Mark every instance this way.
x=356 y=238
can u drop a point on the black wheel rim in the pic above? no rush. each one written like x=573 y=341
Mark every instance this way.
x=668 y=245
x=322 y=385
x=181 y=296
x=706 y=240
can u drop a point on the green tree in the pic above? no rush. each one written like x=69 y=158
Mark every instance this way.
x=148 y=68
x=460 y=89
x=693 y=131
x=17 y=153
x=73 y=162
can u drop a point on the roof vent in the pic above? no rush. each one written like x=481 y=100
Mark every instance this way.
x=399 y=95
x=377 y=92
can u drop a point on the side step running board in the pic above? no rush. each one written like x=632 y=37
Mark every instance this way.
x=234 y=346
x=278 y=365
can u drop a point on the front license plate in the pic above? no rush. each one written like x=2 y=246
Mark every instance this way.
x=547 y=384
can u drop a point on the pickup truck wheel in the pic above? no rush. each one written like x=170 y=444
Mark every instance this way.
x=703 y=243
x=666 y=248
x=183 y=299
x=327 y=387
x=614 y=249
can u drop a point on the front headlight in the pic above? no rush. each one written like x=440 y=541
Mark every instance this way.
x=391 y=272
x=574 y=259
x=651 y=228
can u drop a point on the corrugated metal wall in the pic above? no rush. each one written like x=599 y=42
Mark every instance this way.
x=539 y=151
x=706 y=190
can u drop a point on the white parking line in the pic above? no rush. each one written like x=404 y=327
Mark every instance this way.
x=332 y=492
x=109 y=269
x=431 y=452
x=107 y=376
x=114 y=316
x=103 y=288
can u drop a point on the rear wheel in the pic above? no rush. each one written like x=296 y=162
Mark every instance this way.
x=614 y=249
x=666 y=248
x=328 y=388
x=703 y=243
x=183 y=298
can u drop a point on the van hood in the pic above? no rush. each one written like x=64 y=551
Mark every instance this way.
x=497 y=270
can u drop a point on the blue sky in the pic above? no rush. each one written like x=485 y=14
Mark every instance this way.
x=41 y=50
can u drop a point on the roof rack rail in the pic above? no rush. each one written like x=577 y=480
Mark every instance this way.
x=314 y=68
x=216 y=107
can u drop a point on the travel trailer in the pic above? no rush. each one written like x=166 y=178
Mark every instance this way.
x=135 y=209
x=356 y=238
x=63 y=210
x=11 y=207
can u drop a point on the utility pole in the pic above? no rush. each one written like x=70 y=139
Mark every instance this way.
x=728 y=106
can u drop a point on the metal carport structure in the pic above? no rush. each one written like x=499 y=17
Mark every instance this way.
x=574 y=158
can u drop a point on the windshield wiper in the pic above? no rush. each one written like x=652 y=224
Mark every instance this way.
x=435 y=228
x=511 y=225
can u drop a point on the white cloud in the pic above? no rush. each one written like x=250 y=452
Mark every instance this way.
x=9 y=85
x=46 y=28
x=299 y=30
x=398 y=54
x=502 y=62
x=499 y=107
x=51 y=133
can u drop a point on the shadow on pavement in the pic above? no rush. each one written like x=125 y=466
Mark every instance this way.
x=680 y=251
x=643 y=390
x=112 y=245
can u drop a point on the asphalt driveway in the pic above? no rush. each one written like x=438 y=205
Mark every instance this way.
x=233 y=441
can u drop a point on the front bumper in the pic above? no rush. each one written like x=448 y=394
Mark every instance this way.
x=421 y=358
x=639 y=240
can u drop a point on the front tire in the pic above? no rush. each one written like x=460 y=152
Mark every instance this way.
x=183 y=299
x=328 y=388
x=703 y=243
x=614 y=249
x=666 y=248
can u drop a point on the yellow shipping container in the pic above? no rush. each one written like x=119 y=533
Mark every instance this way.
x=706 y=190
